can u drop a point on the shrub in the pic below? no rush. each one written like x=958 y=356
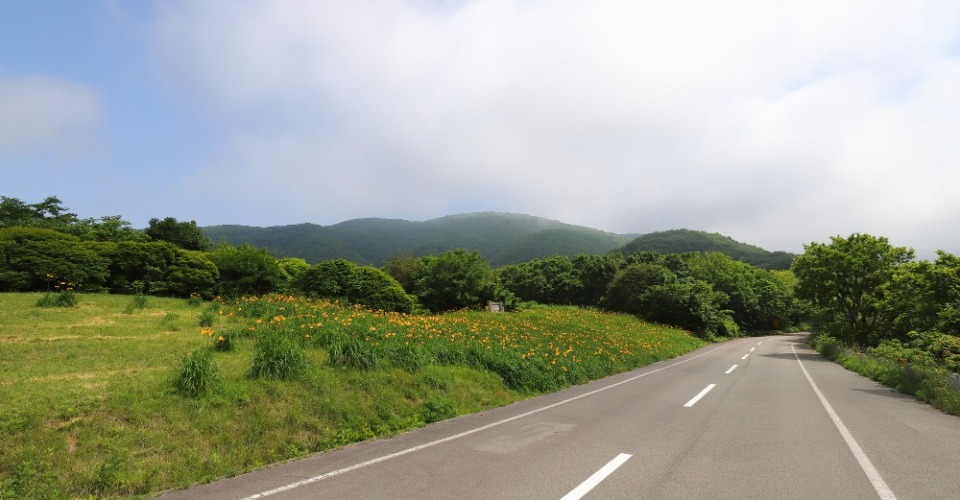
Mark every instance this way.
x=29 y=258
x=63 y=298
x=278 y=356
x=198 y=375
x=367 y=286
x=377 y=290
x=246 y=270
x=437 y=408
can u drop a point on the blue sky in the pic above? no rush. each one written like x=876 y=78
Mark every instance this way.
x=777 y=125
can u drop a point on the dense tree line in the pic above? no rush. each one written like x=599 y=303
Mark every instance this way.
x=866 y=292
x=709 y=293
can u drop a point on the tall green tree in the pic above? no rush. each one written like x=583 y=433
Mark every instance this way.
x=185 y=235
x=550 y=280
x=758 y=300
x=628 y=288
x=845 y=280
x=193 y=273
x=455 y=279
x=595 y=272
x=925 y=297
x=49 y=214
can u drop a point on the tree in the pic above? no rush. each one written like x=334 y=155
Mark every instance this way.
x=455 y=279
x=335 y=278
x=690 y=304
x=377 y=290
x=33 y=258
x=367 y=286
x=192 y=273
x=551 y=280
x=140 y=267
x=108 y=228
x=403 y=268
x=845 y=280
x=290 y=269
x=185 y=235
x=628 y=288
x=925 y=297
x=246 y=270
x=758 y=300
x=49 y=213
x=595 y=273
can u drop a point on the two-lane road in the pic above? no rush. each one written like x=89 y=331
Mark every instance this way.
x=757 y=418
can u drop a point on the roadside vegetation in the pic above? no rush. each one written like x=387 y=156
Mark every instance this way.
x=135 y=361
x=117 y=396
x=881 y=313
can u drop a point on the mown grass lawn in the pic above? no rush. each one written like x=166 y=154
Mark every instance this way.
x=88 y=404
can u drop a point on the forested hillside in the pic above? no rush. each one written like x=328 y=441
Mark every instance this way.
x=501 y=238
x=686 y=240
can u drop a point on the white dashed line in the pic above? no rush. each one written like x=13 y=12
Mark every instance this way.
x=698 y=396
x=596 y=478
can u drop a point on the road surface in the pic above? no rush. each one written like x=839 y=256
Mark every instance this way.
x=755 y=418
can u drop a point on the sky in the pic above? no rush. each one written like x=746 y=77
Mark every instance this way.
x=775 y=123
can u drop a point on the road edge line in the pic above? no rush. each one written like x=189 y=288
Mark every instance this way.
x=879 y=485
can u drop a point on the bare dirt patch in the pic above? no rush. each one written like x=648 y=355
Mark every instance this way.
x=96 y=321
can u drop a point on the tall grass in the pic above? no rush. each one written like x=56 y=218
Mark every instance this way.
x=91 y=403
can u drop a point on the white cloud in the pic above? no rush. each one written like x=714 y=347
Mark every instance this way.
x=776 y=124
x=42 y=114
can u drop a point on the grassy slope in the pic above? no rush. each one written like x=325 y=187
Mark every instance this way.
x=89 y=406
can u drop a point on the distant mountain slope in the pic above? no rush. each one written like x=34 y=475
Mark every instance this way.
x=686 y=240
x=501 y=238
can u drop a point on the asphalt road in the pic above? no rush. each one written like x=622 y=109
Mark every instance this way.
x=785 y=423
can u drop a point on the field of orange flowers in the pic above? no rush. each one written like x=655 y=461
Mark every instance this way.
x=91 y=407
x=536 y=350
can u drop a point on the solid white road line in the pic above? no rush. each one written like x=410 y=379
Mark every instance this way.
x=596 y=478
x=732 y=368
x=879 y=485
x=309 y=480
x=745 y=356
x=698 y=396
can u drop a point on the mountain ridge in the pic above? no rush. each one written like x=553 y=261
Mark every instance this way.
x=501 y=237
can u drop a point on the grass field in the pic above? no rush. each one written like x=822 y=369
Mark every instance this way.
x=89 y=405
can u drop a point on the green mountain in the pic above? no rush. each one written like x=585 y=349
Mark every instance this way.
x=686 y=240
x=500 y=237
